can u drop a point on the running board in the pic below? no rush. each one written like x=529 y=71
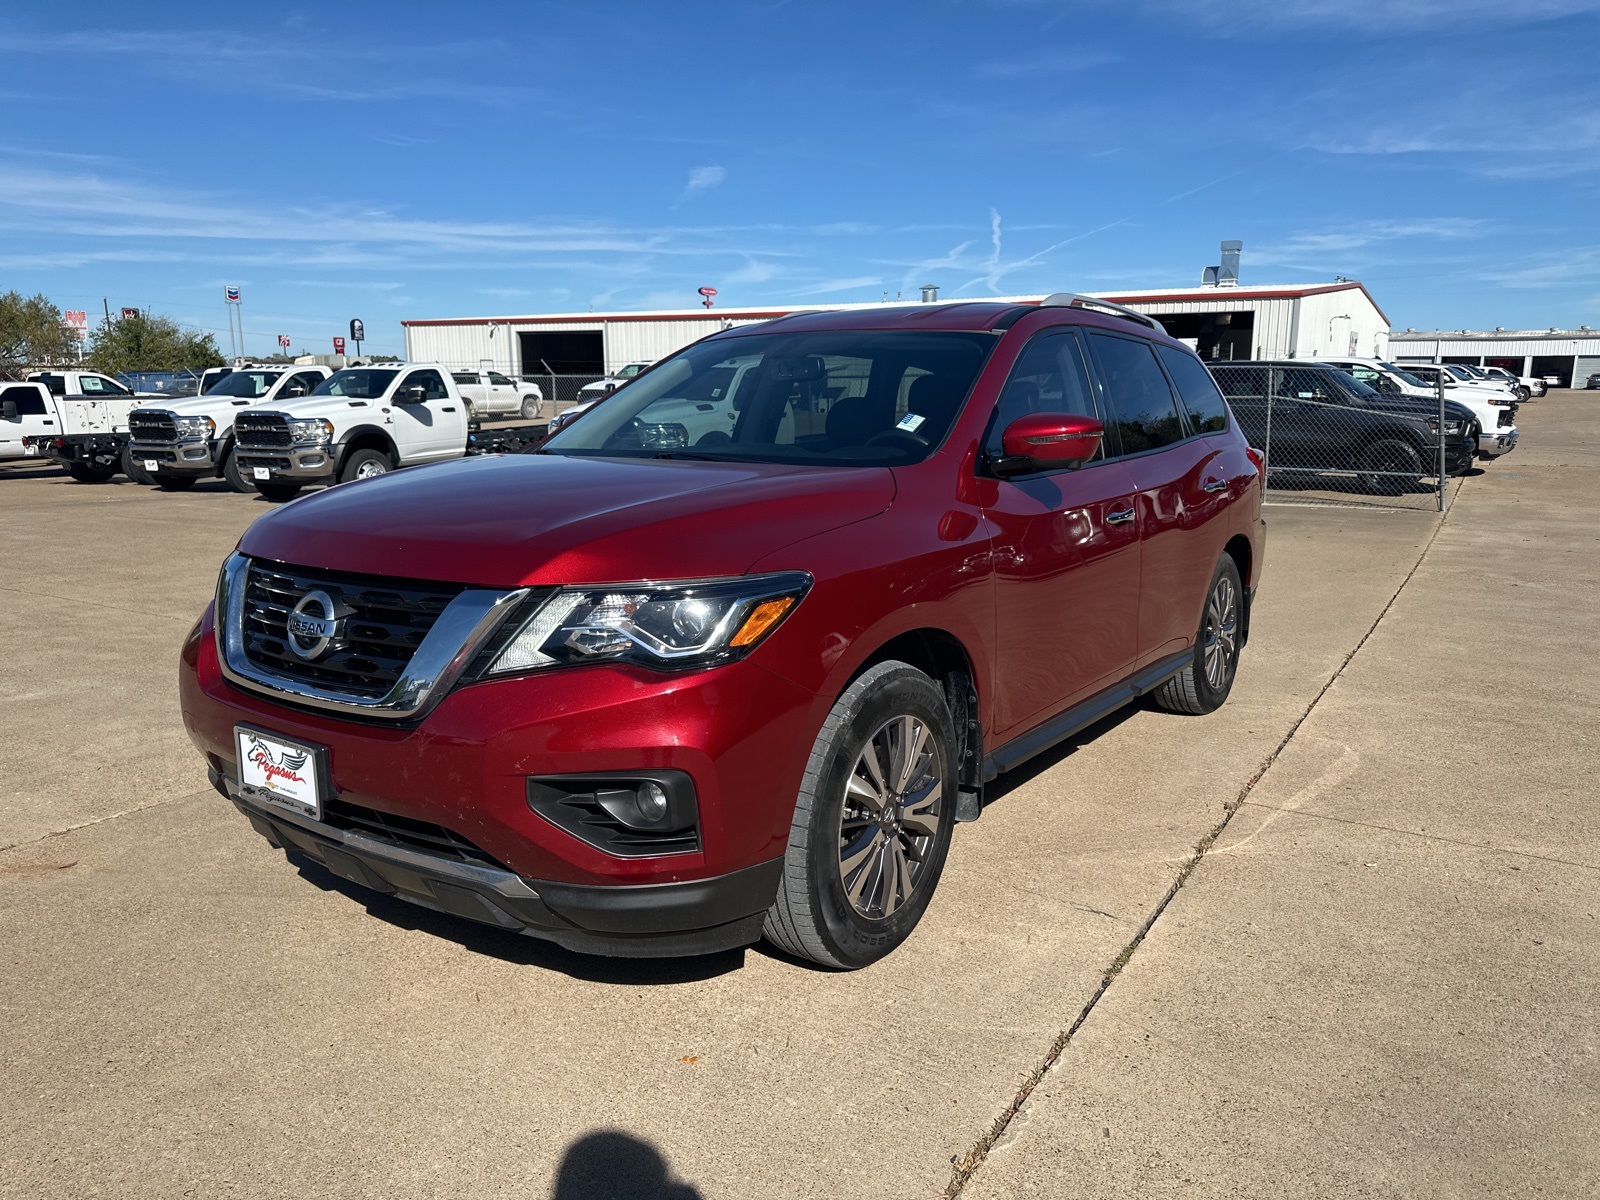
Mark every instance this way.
x=1102 y=704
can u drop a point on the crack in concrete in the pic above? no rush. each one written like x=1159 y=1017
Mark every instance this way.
x=132 y=612
x=964 y=1168
x=127 y=812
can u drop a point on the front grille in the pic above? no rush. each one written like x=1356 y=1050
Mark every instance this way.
x=384 y=624
x=264 y=460
x=152 y=427
x=262 y=429
x=423 y=836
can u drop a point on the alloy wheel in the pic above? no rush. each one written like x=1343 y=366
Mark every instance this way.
x=890 y=816
x=1222 y=633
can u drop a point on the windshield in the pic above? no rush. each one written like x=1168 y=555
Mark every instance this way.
x=828 y=398
x=358 y=384
x=1457 y=372
x=1405 y=376
x=632 y=369
x=250 y=384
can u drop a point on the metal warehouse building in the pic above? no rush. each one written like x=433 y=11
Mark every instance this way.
x=1222 y=321
x=1569 y=355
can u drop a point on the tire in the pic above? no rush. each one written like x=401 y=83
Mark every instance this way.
x=234 y=477
x=532 y=406
x=472 y=411
x=1395 y=467
x=278 y=493
x=175 y=483
x=814 y=915
x=365 y=464
x=89 y=472
x=1205 y=682
x=134 y=469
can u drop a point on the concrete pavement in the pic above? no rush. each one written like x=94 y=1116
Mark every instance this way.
x=188 y=1015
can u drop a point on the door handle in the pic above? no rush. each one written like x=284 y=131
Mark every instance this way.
x=1120 y=517
x=1216 y=485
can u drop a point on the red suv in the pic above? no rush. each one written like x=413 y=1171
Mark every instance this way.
x=730 y=655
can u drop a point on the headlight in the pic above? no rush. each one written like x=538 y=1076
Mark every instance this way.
x=311 y=431
x=666 y=626
x=194 y=429
x=1451 y=428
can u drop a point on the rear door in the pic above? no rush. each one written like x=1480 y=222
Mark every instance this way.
x=1180 y=536
x=1065 y=553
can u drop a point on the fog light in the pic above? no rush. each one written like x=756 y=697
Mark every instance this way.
x=195 y=452
x=313 y=460
x=652 y=801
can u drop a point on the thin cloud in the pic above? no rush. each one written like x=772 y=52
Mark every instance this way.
x=703 y=179
x=1050 y=62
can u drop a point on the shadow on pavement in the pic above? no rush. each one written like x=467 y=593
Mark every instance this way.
x=520 y=949
x=611 y=1164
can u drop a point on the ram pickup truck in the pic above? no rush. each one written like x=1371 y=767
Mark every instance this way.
x=690 y=676
x=601 y=388
x=85 y=423
x=359 y=423
x=1495 y=414
x=489 y=392
x=1311 y=419
x=181 y=443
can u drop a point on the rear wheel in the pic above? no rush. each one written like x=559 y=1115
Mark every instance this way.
x=872 y=822
x=365 y=464
x=90 y=472
x=472 y=411
x=278 y=492
x=1390 y=467
x=175 y=483
x=134 y=469
x=1206 y=680
x=531 y=407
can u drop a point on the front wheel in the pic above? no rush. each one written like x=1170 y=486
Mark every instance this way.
x=1207 y=678
x=234 y=476
x=134 y=469
x=278 y=493
x=1390 y=467
x=531 y=407
x=90 y=472
x=872 y=822
x=365 y=464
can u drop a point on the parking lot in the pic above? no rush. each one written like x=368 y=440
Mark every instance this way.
x=1374 y=877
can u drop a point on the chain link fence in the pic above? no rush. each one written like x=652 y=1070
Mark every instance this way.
x=1331 y=440
x=485 y=384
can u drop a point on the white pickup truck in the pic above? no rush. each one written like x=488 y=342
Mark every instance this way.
x=182 y=442
x=362 y=422
x=489 y=392
x=78 y=418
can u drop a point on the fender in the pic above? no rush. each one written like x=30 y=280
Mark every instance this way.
x=360 y=437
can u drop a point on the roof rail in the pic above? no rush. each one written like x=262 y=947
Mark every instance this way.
x=1073 y=300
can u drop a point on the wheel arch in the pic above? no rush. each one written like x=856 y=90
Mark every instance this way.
x=943 y=657
x=1243 y=555
x=366 y=437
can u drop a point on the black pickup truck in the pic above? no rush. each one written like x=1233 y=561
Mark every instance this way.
x=1315 y=420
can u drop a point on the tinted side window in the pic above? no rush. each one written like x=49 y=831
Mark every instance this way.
x=432 y=385
x=1049 y=377
x=1241 y=383
x=1142 y=407
x=27 y=399
x=1196 y=390
x=1298 y=383
x=500 y=380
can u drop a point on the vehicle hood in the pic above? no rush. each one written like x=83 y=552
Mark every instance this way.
x=202 y=406
x=324 y=406
x=529 y=519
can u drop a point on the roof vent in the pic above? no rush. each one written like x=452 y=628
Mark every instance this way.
x=1554 y=329
x=1585 y=328
x=1225 y=273
x=930 y=293
x=1499 y=328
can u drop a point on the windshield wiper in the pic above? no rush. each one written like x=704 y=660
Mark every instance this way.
x=688 y=454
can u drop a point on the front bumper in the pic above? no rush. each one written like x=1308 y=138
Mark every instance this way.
x=1502 y=441
x=738 y=731
x=177 y=458
x=289 y=464
x=699 y=916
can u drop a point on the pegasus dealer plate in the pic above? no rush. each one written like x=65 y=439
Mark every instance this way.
x=275 y=770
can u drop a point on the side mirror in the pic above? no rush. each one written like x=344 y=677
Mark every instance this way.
x=8 y=409
x=415 y=394
x=1050 y=442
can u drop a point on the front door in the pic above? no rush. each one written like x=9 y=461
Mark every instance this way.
x=1065 y=555
x=33 y=419
x=430 y=428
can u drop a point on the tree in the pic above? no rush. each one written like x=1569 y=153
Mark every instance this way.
x=146 y=343
x=32 y=335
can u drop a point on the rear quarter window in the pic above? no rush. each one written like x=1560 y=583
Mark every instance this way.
x=1197 y=391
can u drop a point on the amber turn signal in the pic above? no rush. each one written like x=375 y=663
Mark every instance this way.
x=762 y=618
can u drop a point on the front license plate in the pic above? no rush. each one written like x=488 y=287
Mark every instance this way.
x=279 y=771
x=262 y=472
x=151 y=464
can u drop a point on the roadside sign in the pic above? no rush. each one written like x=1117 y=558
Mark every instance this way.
x=129 y=313
x=338 y=345
x=77 y=320
x=231 y=295
x=283 y=340
x=707 y=292
x=358 y=332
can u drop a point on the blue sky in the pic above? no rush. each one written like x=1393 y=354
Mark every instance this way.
x=406 y=160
